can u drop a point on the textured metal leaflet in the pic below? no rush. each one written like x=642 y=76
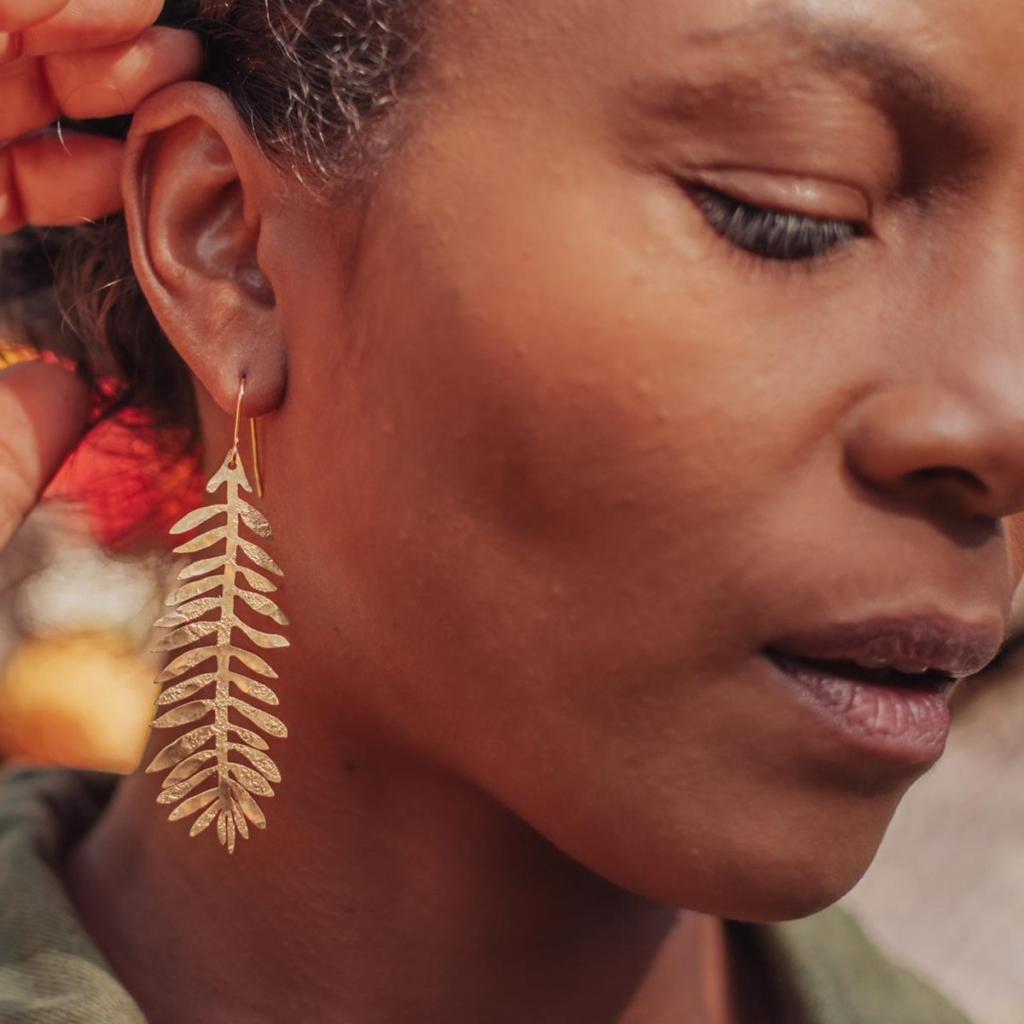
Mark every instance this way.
x=194 y=803
x=203 y=820
x=260 y=557
x=194 y=589
x=202 y=542
x=255 y=520
x=188 y=766
x=254 y=689
x=184 y=662
x=186 y=688
x=182 y=747
x=194 y=609
x=254 y=739
x=266 y=721
x=185 y=635
x=263 y=605
x=240 y=822
x=172 y=794
x=253 y=662
x=261 y=639
x=249 y=806
x=183 y=714
x=252 y=780
x=203 y=567
x=262 y=762
x=197 y=518
x=257 y=580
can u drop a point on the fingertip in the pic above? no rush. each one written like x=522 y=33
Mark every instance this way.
x=86 y=24
x=16 y=15
x=44 y=412
x=50 y=179
x=114 y=80
x=49 y=391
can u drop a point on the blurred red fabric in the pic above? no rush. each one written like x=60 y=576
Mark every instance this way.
x=130 y=490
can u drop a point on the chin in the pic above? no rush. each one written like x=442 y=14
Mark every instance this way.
x=789 y=874
x=770 y=905
x=784 y=887
x=758 y=894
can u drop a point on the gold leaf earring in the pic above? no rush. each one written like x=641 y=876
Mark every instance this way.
x=234 y=786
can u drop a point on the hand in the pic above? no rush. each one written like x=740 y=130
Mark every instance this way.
x=79 y=59
x=44 y=411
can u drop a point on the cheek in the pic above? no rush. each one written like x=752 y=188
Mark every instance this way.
x=559 y=390
x=564 y=456
x=540 y=473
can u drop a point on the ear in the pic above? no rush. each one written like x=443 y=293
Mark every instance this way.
x=199 y=204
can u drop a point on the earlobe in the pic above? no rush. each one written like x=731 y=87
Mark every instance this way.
x=197 y=191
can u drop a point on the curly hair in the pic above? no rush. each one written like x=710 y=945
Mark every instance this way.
x=317 y=83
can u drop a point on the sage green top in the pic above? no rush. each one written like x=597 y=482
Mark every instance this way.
x=51 y=972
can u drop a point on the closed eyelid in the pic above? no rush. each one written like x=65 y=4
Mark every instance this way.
x=810 y=197
x=772 y=234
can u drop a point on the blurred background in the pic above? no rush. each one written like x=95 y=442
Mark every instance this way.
x=945 y=895
x=75 y=681
x=75 y=687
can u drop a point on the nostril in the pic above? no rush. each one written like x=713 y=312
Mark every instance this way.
x=947 y=475
x=955 y=493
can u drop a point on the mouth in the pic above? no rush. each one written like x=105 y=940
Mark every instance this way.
x=881 y=685
x=922 y=680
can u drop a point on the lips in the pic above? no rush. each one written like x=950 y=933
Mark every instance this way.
x=946 y=646
x=849 y=676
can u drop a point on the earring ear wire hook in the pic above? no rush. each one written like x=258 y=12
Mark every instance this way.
x=257 y=477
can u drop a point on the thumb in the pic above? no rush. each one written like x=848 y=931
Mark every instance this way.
x=44 y=411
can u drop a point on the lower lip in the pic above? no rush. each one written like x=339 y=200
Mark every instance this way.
x=909 y=726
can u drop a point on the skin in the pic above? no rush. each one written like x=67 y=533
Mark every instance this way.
x=540 y=517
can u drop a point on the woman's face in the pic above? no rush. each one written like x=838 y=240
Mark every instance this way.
x=574 y=438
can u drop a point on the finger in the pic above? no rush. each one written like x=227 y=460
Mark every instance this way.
x=44 y=411
x=16 y=15
x=46 y=180
x=88 y=24
x=94 y=83
x=116 y=79
x=28 y=103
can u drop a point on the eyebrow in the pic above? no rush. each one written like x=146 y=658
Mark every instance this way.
x=897 y=79
x=910 y=93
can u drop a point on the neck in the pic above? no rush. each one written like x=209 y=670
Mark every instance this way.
x=382 y=891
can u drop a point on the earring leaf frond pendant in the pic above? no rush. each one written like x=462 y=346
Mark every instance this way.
x=206 y=606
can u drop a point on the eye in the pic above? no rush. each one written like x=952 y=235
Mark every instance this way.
x=772 y=234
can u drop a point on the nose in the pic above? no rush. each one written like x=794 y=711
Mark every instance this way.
x=942 y=449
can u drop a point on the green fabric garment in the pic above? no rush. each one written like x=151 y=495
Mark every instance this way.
x=51 y=973
x=838 y=976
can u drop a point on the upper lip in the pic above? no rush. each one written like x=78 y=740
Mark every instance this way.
x=947 y=645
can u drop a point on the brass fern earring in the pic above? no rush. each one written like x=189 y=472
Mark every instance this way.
x=231 y=798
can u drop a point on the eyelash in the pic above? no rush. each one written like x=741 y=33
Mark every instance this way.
x=773 y=234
